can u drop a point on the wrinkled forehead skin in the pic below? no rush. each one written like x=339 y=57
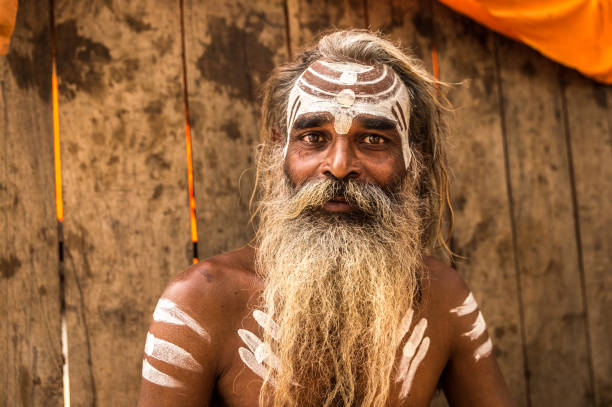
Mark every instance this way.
x=347 y=90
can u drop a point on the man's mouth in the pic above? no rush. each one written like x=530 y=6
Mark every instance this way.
x=337 y=204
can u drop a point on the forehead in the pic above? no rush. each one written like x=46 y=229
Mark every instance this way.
x=347 y=91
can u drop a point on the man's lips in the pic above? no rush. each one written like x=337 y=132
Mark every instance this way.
x=337 y=204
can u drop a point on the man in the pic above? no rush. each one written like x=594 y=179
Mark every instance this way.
x=337 y=303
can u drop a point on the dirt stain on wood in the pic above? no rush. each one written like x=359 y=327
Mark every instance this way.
x=31 y=70
x=235 y=59
x=9 y=266
x=80 y=61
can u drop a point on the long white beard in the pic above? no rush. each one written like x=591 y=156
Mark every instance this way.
x=337 y=285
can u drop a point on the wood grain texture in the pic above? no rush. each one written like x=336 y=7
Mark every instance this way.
x=309 y=18
x=30 y=334
x=408 y=23
x=126 y=205
x=483 y=231
x=556 y=338
x=589 y=109
x=231 y=47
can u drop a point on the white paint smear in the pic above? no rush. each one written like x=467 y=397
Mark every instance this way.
x=170 y=353
x=483 y=350
x=410 y=348
x=249 y=359
x=415 y=338
x=267 y=324
x=160 y=378
x=413 y=368
x=261 y=351
x=170 y=313
x=404 y=325
x=478 y=328
x=469 y=305
x=343 y=108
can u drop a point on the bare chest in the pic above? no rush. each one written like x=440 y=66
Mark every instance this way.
x=421 y=356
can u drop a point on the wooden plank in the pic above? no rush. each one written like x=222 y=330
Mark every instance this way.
x=407 y=22
x=483 y=229
x=309 y=18
x=555 y=334
x=231 y=48
x=31 y=355
x=126 y=203
x=589 y=117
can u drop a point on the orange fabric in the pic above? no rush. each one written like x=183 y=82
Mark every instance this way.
x=576 y=33
x=8 y=13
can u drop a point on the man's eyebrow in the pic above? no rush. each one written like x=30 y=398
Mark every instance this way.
x=377 y=123
x=310 y=121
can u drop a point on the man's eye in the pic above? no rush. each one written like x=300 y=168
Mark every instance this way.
x=312 y=138
x=374 y=139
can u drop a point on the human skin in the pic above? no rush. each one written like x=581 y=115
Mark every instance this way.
x=220 y=293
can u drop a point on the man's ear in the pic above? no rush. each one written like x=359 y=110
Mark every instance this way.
x=276 y=136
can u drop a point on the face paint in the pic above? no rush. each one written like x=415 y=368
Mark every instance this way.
x=347 y=90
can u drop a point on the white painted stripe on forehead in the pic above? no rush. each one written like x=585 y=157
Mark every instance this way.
x=153 y=375
x=340 y=80
x=468 y=306
x=171 y=353
x=316 y=89
x=170 y=313
x=483 y=350
x=478 y=328
x=316 y=100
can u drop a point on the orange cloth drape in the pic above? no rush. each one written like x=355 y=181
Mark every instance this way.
x=576 y=33
x=8 y=13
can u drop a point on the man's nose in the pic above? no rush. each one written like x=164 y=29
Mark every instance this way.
x=341 y=161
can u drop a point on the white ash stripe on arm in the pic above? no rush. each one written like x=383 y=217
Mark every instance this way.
x=160 y=378
x=469 y=305
x=168 y=312
x=170 y=353
x=479 y=327
x=484 y=350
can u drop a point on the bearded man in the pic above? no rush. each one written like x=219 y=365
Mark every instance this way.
x=337 y=303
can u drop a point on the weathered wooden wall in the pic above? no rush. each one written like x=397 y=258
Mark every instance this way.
x=531 y=155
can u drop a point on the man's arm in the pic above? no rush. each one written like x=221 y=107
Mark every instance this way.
x=472 y=376
x=182 y=347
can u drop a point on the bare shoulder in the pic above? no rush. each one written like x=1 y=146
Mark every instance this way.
x=445 y=288
x=216 y=291
x=186 y=346
x=471 y=377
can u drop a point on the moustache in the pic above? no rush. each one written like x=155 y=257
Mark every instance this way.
x=367 y=198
